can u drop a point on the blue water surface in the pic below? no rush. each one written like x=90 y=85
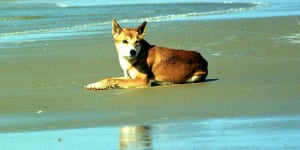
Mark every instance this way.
x=32 y=20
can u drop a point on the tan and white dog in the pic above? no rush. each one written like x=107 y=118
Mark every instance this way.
x=145 y=65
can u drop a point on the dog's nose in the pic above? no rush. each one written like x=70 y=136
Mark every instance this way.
x=132 y=52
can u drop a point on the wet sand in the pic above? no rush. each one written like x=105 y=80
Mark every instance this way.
x=253 y=73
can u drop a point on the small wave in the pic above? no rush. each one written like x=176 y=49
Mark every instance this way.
x=291 y=38
x=78 y=27
x=20 y=18
x=60 y=4
x=188 y=15
x=41 y=34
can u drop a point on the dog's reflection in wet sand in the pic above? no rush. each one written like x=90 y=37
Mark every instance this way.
x=135 y=137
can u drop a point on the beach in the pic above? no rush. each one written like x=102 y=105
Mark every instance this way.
x=253 y=76
x=50 y=50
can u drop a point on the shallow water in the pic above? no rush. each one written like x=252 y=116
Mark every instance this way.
x=279 y=132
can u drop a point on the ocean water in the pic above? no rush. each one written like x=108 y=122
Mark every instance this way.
x=31 y=20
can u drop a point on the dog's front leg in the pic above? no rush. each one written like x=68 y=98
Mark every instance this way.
x=102 y=84
x=122 y=82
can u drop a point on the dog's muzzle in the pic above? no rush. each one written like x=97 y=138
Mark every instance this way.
x=132 y=53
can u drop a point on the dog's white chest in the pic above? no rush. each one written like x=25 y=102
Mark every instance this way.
x=125 y=65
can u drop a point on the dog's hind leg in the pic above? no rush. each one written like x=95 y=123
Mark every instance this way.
x=198 y=76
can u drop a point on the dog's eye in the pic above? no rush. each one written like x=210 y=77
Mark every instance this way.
x=137 y=42
x=125 y=41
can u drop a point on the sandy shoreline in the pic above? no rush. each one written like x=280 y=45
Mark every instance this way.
x=253 y=71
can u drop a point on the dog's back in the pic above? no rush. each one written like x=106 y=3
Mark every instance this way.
x=175 y=66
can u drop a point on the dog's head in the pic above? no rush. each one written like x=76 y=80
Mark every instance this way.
x=127 y=40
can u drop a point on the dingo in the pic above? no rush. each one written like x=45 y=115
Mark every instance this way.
x=145 y=65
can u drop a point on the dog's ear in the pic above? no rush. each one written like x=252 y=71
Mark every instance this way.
x=142 y=29
x=116 y=28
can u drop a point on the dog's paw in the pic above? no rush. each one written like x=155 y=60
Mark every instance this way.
x=96 y=86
